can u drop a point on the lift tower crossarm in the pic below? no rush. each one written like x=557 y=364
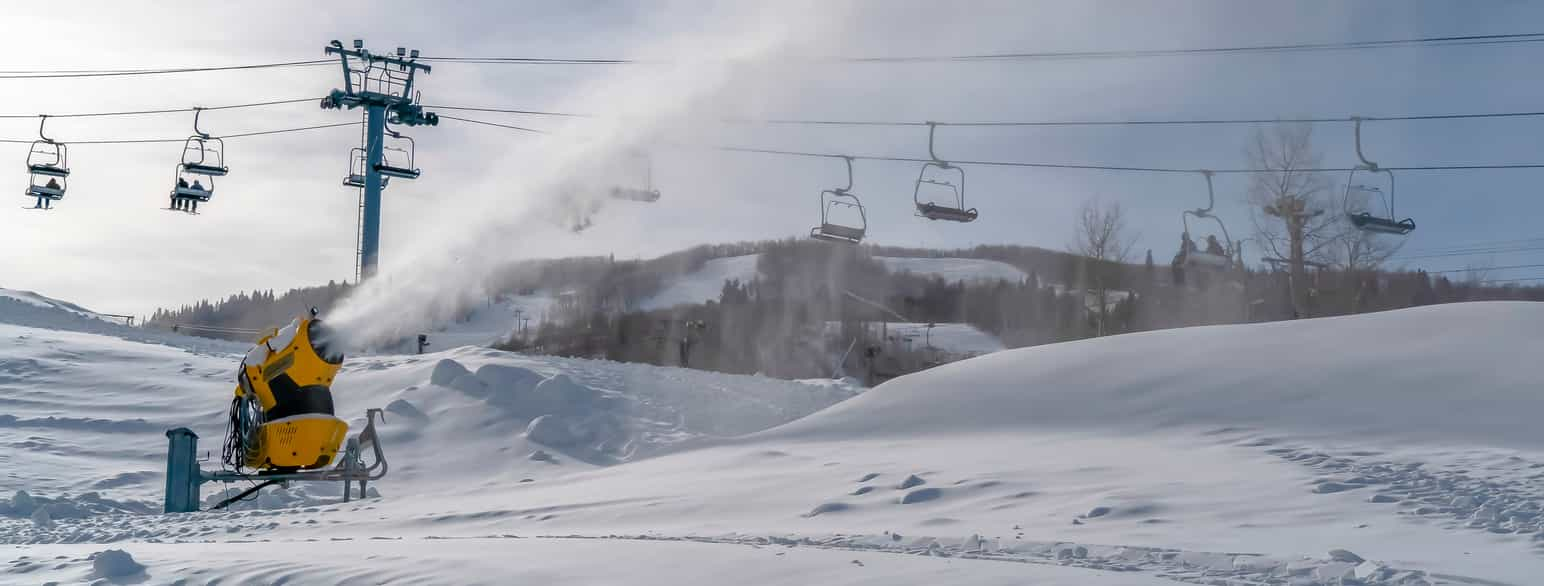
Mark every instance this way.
x=387 y=95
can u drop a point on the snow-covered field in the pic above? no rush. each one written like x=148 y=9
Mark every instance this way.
x=954 y=269
x=1391 y=448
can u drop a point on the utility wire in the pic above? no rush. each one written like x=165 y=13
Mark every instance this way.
x=164 y=140
x=1445 y=41
x=161 y=111
x=62 y=74
x=1156 y=122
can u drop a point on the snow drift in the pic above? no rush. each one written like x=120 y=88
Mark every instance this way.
x=1462 y=372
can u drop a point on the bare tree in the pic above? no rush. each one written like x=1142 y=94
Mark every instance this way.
x=1102 y=240
x=1294 y=213
x=1477 y=273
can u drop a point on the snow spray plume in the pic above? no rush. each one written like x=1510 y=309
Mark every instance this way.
x=433 y=285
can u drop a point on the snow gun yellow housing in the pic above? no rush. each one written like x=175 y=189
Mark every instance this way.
x=282 y=416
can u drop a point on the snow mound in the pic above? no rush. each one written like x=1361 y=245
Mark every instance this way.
x=115 y=563
x=704 y=284
x=1465 y=372
x=954 y=269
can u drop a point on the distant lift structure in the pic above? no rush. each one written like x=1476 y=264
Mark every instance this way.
x=645 y=193
x=1364 y=220
x=203 y=159
x=383 y=86
x=1192 y=256
x=841 y=199
x=939 y=178
x=48 y=165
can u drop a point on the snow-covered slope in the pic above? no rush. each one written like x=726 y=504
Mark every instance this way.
x=491 y=323
x=12 y=299
x=953 y=339
x=954 y=269
x=704 y=284
x=1260 y=454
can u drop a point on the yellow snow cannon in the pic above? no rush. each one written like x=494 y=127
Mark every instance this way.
x=281 y=419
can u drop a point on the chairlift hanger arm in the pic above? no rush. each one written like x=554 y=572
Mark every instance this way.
x=1357 y=130
x=197 y=111
x=43 y=120
x=932 y=128
x=1211 y=195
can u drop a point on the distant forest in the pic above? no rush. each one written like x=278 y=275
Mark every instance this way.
x=810 y=310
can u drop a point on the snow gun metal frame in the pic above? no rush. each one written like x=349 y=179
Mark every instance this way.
x=183 y=475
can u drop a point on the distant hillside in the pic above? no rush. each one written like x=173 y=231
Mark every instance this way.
x=799 y=308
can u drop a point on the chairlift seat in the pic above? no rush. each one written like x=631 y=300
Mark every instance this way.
x=837 y=233
x=1367 y=222
x=1203 y=259
x=359 y=181
x=391 y=171
x=208 y=170
x=192 y=193
x=933 y=211
x=49 y=170
x=635 y=194
x=53 y=193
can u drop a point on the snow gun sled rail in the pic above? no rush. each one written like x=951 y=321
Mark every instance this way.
x=184 y=477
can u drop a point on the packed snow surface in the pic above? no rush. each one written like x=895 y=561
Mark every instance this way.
x=1398 y=448
x=704 y=284
x=954 y=269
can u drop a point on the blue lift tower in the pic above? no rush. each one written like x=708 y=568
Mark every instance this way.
x=383 y=86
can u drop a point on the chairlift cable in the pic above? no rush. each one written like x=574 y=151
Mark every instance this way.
x=163 y=110
x=1443 y=41
x=65 y=74
x=485 y=123
x=1472 y=252
x=1483 y=269
x=1080 y=166
x=183 y=139
x=1042 y=123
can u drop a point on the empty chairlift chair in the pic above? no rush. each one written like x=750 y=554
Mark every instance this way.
x=846 y=203
x=1364 y=220
x=937 y=180
x=48 y=166
x=356 y=168
x=397 y=160
x=647 y=193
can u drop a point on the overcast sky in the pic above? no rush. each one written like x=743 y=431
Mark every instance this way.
x=282 y=219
